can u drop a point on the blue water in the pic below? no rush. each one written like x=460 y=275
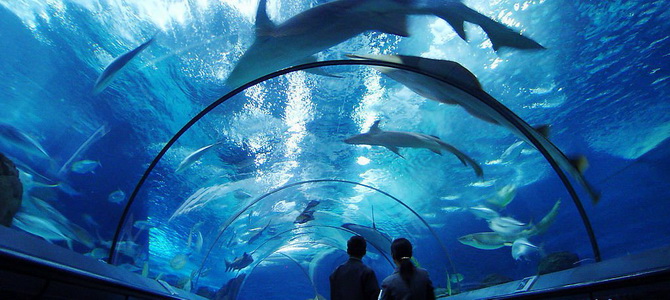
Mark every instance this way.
x=603 y=84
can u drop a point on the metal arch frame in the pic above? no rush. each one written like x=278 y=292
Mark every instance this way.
x=321 y=226
x=242 y=211
x=494 y=104
x=279 y=251
x=311 y=282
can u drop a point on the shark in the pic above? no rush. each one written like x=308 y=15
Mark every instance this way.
x=393 y=140
x=113 y=69
x=458 y=86
x=296 y=40
x=372 y=235
x=193 y=157
x=12 y=137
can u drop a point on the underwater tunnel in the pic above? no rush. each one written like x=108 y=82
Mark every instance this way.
x=228 y=150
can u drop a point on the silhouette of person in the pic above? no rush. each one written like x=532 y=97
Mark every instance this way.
x=353 y=280
x=407 y=282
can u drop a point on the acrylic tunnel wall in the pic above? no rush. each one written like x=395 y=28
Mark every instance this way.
x=270 y=181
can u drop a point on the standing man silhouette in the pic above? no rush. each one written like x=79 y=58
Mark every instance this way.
x=353 y=280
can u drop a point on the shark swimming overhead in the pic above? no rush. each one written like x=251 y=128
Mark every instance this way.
x=393 y=140
x=113 y=69
x=12 y=137
x=457 y=85
x=295 y=41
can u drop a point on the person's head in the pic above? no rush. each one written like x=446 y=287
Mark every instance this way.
x=401 y=250
x=356 y=246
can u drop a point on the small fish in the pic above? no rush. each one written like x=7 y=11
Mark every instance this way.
x=503 y=197
x=239 y=263
x=312 y=204
x=193 y=157
x=117 y=196
x=304 y=217
x=145 y=269
x=113 y=69
x=98 y=253
x=179 y=261
x=90 y=220
x=456 y=278
x=258 y=233
x=240 y=194
x=197 y=246
x=85 y=166
x=13 y=137
x=144 y=225
x=484 y=212
x=506 y=226
x=521 y=248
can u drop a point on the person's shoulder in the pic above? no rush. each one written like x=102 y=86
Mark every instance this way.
x=423 y=272
x=390 y=278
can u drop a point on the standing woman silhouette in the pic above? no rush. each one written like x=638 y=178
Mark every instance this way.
x=407 y=282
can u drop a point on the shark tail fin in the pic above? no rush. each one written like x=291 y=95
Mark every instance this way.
x=228 y=267
x=544 y=130
x=456 y=21
x=499 y=34
x=503 y=36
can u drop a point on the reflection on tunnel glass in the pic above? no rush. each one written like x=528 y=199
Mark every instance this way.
x=443 y=138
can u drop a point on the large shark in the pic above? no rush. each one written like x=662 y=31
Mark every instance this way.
x=393 y=140
x=113 y=69
x=277 y=46
x=459 y=86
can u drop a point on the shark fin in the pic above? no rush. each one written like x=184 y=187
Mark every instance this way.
x=580 y=163
x=454 y=20
x=396 y=25
x=264 y=26
x=395 y=150
x=375 y=128
x=543 y=130
x=438 y=152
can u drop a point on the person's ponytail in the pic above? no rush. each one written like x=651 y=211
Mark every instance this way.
x=401 y=250
x=406 y=269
